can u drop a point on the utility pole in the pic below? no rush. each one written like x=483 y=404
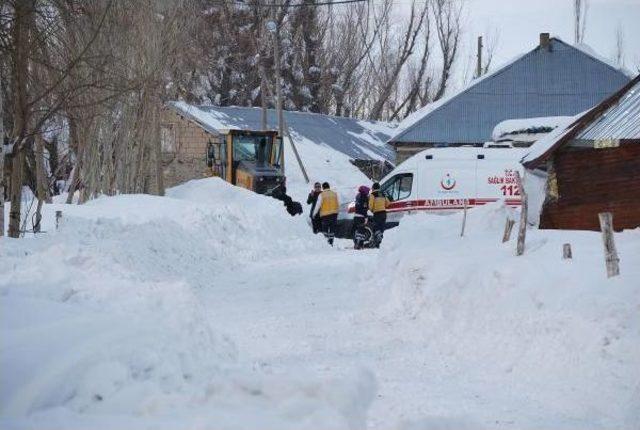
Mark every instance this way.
x=263 y=116
x=263 y=81
x=479 y=65
x=273 y=27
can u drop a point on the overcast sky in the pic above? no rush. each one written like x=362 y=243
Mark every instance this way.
x=519 y=23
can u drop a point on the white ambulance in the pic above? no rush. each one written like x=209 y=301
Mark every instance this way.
x=443 y=180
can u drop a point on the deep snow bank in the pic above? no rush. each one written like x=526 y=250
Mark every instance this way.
x=102 y=325
x=519 y=333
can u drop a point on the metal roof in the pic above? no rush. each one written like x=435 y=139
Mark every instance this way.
x=615 y=118
x=358 y=139
x=560 y=81
x=620 y=121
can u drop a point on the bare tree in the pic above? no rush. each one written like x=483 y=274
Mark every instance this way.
x=491 y=44
x=447 y=16
x=580 y=8
x=22 y=41
x=41 y=65
x=102 y=70
x=419 y=82
x=349 y=45
x=394 y=57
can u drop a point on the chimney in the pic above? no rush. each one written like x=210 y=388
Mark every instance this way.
x=545 y=41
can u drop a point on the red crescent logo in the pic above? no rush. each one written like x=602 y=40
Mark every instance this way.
x=447 y=182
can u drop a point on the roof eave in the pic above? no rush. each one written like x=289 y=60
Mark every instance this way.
x=188 y=116
x=580 y=124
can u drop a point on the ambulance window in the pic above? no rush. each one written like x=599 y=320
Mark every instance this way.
x=398 y=187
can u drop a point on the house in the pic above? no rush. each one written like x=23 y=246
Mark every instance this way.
x=592 y=166
x=331 y=143
x=553 y=79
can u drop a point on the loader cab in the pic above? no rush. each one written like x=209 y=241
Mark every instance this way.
x=249 y=159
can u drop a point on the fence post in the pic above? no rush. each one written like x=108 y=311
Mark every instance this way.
x=58 y=218
x=507 y=230
x=610 y=253
x=464 y=219
x=522 y=230
x=566 y=251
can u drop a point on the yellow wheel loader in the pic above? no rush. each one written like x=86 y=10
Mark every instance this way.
x=248 y=159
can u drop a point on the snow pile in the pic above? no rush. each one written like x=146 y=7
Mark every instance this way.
x=509 y=337
x=535 y=185
x=528 y=129
x=103 y=326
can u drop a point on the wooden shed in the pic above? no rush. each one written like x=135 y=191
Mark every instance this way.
x=593 y=166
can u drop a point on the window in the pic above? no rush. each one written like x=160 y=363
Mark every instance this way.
x=251 y=148
x=277 y=152
x=398 y=187
x=167 y=138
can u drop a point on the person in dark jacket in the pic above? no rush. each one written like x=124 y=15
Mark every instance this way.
x=312 y=200
x=360 y=217
x=378 y=204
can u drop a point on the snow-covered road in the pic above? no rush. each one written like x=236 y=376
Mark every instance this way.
x=187 y=312
x=310 y=313
x=325 y=312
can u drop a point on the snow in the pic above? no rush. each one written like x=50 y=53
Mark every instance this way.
x=541 y=146
x=513 y=128
x=322 y=163
x=103 y=325
x=211 y=307
x=535 y=185
x=214 y=120
x=511 y=342
x=355 y=138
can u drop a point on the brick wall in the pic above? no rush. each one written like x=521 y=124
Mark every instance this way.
x=188 y=159
x=404 y=152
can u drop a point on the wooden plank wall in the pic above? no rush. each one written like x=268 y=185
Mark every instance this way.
x=592 y=181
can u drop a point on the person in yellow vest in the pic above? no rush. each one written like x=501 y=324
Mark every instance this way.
x=378 y=204
x=327 y=208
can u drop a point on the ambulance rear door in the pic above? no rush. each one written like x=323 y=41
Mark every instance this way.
x=496 y=172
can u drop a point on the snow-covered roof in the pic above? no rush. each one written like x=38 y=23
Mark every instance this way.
x=617 y=117
x=532 y=127
x=561 y=80
x=358 y=139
